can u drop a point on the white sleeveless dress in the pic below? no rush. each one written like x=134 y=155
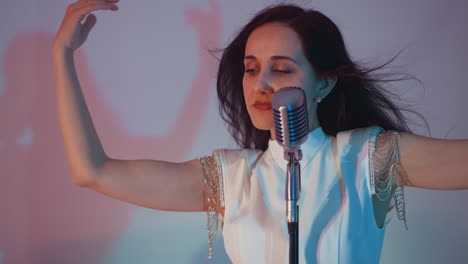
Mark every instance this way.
x=336 y=221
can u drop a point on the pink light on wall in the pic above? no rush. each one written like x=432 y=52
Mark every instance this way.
x=44 y=217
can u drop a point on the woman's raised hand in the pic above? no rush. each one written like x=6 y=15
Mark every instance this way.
x=72 y=32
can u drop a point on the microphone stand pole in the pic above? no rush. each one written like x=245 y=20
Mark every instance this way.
x=293 y=190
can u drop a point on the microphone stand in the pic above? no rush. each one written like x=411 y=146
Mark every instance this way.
x=293 y=190
x=291 y=129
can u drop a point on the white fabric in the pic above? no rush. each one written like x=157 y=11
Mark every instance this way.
x=336 y=223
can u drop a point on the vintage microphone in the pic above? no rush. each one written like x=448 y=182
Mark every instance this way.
x=291 y=130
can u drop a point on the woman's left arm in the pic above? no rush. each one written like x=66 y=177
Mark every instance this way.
x=434 y=163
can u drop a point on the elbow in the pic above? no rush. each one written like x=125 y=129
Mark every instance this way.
x=87 y=175
x=83 y=180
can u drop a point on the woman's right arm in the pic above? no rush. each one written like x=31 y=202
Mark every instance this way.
x=153 y=184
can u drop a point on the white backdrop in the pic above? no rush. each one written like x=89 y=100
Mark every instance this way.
x=149 y=83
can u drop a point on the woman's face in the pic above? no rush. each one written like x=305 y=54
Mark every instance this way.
x=274 y=59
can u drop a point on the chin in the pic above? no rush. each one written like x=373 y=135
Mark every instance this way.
x=262 y=120
x=263 y=124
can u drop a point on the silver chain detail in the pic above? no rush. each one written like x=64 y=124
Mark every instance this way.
x=214 y=195
x=387 y=177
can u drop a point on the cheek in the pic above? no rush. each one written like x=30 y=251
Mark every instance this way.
x=292 y=80
x=310 y=88
x=248 y=91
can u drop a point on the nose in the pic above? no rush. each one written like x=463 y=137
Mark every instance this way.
x=263 y=84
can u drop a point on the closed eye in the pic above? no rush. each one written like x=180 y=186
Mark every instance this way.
x=281 y=71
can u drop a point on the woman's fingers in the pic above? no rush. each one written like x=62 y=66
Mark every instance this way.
x=81 y=11
x=80 y=3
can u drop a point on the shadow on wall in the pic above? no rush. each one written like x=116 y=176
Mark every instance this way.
x=44 y=217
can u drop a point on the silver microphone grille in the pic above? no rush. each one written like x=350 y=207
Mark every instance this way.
x=290 y=117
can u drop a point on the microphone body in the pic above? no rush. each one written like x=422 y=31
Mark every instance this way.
x=290 y=118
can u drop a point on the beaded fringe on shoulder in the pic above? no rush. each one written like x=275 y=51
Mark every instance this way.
x=214 y=195
x=386 y=172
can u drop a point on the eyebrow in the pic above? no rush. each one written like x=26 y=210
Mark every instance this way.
x=276 y=57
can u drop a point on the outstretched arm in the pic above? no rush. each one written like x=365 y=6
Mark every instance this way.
x=149 y=183
x=434 y=163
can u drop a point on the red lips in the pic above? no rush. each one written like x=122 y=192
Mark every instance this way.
x=262 y=105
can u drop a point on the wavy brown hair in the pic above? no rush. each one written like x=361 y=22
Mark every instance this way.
x=357 y=100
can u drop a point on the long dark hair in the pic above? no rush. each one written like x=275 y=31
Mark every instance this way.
x=357 y=100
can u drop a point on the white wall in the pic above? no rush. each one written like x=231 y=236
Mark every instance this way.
x=149 y=83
